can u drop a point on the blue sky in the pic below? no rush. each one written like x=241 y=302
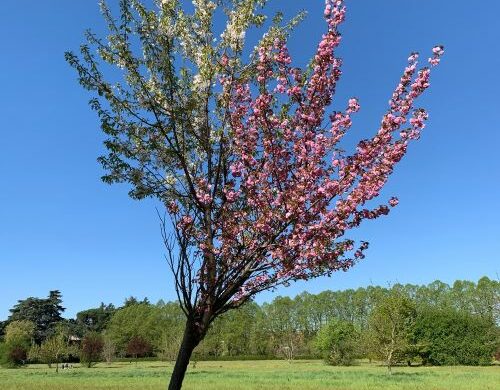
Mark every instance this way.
x=62 y=228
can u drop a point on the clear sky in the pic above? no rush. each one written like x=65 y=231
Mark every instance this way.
x=62 y=228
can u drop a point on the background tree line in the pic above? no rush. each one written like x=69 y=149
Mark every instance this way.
x=434 y=324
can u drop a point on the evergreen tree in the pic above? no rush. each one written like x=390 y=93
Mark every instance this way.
x=44 y=313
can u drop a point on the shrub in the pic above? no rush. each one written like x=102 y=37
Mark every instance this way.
x=337 y=343
x=12 y=354
x=390 y=325
x=52 y=351
x=92 y=347
x=449 y=337
x=139 y=347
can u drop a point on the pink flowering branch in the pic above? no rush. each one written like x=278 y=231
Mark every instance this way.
x=298 y=195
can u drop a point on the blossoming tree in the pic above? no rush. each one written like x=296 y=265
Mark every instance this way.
x=244 y=154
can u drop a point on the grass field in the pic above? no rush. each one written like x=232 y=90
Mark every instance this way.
x=252 y=375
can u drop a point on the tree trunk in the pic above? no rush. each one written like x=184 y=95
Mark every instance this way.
x=389 y=362
x=189 y=342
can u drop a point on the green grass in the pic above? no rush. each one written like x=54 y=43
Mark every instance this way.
x=252 y=375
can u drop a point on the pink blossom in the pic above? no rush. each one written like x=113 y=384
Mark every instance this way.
x=393 y=202
x=438 y=50
x=172 y=207
x=353 y=105
x=288 y=192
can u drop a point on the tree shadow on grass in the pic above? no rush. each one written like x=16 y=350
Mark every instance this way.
x=407 y=374
x=396 y=377
x=404 y=377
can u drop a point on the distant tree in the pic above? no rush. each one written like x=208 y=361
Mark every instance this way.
x=91 y=349
x=108 y=349
x=17 y=354
x=451 y=337
x=237 y=327
x=172 y=320
x=70 y=326
x=130 y=301
x=52 y=351
x=18 y=339
x=44 y=313
x=260 y=340
x=34 y=355
x=463 y=295
x=20 y=332
x=12 y=355
x=94 y=320
x=436 y=294
x=283 y=327
x=3 y=325
x=169 y=346
x=289 y=347
x=212 y=345
x=487 y=302
x=139 y=347
x=338 y=343
x=231 y=334
x=136 y=320
x=307 y=310
x=390 y=325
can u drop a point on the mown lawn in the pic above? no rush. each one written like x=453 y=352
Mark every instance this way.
x=252 y=375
